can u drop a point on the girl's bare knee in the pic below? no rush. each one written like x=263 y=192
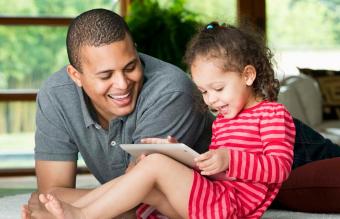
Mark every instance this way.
x=154 y=162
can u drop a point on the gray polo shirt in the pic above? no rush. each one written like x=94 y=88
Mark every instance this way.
x=67 y=123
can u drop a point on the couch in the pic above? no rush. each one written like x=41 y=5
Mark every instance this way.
x=314 y=187
x=303 y=99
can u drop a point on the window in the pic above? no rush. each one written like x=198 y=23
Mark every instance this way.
x=304 y=33
x=30 y=52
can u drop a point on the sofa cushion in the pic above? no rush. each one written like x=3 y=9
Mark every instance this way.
x=314 y=187
x=329 y=82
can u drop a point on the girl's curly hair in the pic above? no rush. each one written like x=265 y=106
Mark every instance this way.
x=237 y=48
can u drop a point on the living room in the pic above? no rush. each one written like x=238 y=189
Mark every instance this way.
x=302 y=34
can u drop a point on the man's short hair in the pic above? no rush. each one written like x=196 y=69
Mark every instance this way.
x=97 y=27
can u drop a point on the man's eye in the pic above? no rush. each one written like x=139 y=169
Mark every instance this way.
x=105 y=77
x=129 y=69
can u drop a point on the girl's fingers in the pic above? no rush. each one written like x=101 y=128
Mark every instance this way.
x=210 y=171
x=203 y=157
x=205 y=164
x=209 y=168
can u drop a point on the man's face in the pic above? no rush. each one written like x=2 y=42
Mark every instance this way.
x=112 y=76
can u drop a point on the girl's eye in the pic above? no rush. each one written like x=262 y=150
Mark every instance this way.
x=219 y=89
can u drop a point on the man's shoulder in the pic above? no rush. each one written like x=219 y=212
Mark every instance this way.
x=59 y=79
x=58 y=86
x=164 y=77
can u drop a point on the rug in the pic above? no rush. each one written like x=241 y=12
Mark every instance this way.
x=10 y=209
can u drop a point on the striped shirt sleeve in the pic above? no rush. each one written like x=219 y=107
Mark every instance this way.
x=273 y=165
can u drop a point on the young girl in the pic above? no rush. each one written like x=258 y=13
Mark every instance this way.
x=252 y=142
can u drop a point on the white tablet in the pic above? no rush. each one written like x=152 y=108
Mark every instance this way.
x=179 y=152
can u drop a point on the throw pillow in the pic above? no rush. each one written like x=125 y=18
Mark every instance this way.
x=314 y=187
x=329 y=82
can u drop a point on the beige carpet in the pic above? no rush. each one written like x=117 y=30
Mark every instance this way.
x=10 y=209
x=10 y=204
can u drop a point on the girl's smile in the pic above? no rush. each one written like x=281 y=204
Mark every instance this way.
x=226 y=91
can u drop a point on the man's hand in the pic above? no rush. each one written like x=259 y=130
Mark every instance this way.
x=168 y=140
x=213 y=161
x=25 y=212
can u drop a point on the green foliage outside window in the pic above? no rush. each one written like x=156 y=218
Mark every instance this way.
x=162 y=32
x=299 y=24
x=163 y=28
x=29 y=54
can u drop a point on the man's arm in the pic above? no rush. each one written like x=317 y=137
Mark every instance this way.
x=61 y=181
x=56 y=177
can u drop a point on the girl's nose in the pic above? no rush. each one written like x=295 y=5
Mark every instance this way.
x=211 y=99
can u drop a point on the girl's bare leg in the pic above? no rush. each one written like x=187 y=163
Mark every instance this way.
x=155 y=198
x=154 y=171
x=94 y=194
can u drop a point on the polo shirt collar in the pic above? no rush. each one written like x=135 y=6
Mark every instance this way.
x=86 y=108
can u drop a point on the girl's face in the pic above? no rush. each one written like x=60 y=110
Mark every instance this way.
x=228 y=92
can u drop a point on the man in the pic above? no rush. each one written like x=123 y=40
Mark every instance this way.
x=109 y=94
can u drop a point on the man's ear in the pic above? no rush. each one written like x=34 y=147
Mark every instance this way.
x=249 y=74
x=74 y=75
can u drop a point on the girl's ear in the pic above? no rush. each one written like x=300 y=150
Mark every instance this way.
x=74 y=74
x=249 y=74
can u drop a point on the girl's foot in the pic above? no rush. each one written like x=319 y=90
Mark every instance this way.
x=59 y=209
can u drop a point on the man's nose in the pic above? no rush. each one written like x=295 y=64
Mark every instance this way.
x=120 y=81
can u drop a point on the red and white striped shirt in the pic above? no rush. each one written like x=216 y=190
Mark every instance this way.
x=260 y=140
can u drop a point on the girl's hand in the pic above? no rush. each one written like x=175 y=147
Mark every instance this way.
x=213 y=161
x=168 y=140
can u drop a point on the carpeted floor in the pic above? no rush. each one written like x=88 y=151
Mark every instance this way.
x=10 y=209
x=15 y=191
